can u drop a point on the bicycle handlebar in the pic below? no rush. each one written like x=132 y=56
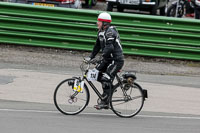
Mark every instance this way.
x=88 y=63
x=92 y=61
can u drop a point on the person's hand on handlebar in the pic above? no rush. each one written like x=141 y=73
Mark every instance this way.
x=87 y=59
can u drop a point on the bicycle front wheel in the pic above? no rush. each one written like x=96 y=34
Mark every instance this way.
x=68 y=101
x=127 y=101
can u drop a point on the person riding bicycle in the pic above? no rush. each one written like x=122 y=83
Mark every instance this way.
x=108 y=41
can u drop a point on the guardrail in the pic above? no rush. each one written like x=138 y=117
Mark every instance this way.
x=76 y=29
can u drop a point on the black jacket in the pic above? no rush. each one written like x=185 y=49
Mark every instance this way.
x=108 y=42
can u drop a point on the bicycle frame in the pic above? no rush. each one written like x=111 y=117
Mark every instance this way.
x=69 y=103
x=84 y=78
x=119 y=83
x=94 y=88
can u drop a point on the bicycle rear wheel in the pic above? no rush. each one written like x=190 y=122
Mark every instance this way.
x=127 y=105
x=68 y=101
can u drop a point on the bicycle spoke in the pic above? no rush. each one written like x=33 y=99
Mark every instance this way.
x=136 y=97
x=69 y=102
x=82 y=99
x=118 y=104
x=128 y=102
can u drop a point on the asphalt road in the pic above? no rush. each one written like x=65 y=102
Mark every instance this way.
x=38 y=117
x=28 y=77
x=43 y=118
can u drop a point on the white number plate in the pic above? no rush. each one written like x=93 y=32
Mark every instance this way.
x=130 y=2
x=92 y=75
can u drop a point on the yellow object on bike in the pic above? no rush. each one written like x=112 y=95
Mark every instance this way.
x=78 y=86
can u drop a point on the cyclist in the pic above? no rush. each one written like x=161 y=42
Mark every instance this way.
x=108 y=41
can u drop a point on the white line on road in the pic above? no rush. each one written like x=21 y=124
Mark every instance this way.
x=149 y=116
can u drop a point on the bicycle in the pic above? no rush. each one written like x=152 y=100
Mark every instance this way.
x=72 y=95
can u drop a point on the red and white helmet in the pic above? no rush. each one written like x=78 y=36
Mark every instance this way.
x=104 y=17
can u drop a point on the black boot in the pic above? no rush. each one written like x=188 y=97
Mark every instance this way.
x=102 y=105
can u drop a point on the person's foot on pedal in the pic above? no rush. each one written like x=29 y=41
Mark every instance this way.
x=102 y=105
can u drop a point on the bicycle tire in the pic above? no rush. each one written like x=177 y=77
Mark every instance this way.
x=127 y=108
x=171 y=12
x=63 y=101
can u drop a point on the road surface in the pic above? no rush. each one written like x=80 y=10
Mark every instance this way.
x=28 y=77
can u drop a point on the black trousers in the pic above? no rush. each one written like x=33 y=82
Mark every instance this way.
x=111 y=68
